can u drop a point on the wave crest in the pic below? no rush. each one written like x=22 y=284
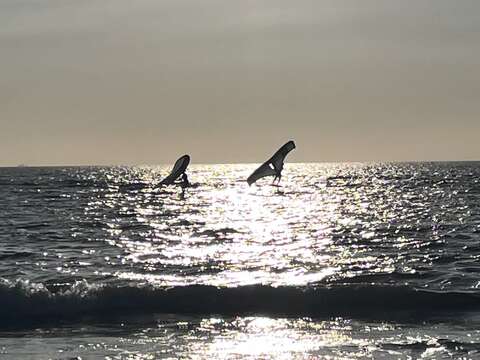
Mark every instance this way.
x=23 y=302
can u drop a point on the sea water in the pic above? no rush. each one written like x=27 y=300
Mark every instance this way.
x=357 y=260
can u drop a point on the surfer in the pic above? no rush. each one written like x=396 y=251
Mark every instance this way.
x=185 y=183
x=273 y=166
x=278 y=172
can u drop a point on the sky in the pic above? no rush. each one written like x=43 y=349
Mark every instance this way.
x=145 y=81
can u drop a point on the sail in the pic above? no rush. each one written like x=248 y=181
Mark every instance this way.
x=274 y=165
x=178 y=169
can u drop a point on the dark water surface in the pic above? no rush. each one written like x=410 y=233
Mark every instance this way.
x=341 y=260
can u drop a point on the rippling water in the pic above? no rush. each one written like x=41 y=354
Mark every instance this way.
x=341 y=260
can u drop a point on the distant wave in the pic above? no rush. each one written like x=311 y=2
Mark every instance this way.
x=10 y=255
x=24 y=303
x=420 y=346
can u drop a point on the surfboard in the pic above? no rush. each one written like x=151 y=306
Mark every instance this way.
x=272 y=166
x=178 y=169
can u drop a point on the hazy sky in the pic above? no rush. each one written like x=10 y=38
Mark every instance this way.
x=126 y=82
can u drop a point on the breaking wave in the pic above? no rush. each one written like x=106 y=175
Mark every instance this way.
x=22 y=302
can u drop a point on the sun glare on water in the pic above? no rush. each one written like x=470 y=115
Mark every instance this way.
x=229 y=233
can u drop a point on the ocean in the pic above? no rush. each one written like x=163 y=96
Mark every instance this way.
x=341 y=261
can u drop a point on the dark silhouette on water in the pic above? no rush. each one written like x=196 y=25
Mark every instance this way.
x=273 y=166
x=178 y=171
x=185 y=183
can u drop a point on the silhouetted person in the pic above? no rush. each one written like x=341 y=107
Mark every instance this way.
x=185 y=183
x=278 y=172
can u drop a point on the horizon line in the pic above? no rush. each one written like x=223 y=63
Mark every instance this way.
x=239 y=163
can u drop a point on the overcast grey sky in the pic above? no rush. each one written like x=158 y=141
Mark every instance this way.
x=144 y=81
